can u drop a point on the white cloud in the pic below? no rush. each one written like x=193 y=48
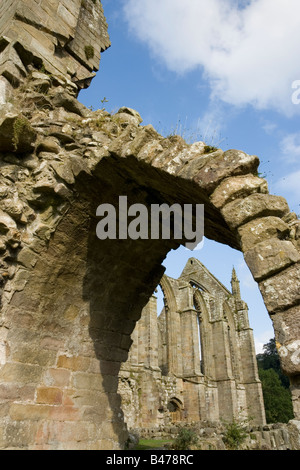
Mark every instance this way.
x=289 y=187
x=269 y=127
x=290 y=147
x=261 y=339
x=247 y=50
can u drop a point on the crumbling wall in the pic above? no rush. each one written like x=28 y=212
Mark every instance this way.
x=64 y=38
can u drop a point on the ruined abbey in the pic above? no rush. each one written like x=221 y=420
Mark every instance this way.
x=83 y=355
x=196 y=361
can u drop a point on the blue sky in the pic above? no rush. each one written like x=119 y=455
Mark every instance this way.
x=220 y=71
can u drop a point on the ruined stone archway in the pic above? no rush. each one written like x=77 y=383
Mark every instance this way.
x=69 y=300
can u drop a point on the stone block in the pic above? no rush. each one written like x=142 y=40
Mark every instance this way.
x=16 y=133
x=270 y=256
x=237 y=187
x=241 y=211
x=11 y=392
x=30 y=354
x=69 y=103
x=57 y=377
x=49 y=144
x=131 y=112
x=20 y=373
x=5 y=90
x=86 y=398
x=74 y=363
x=282 y=290
x=64 y=171
x=259 y=230
x=229 y=163
x=287 y=333
x=64 y=413
x=84 y=380
x=29 y=411
x=50 y=395
x=6 y=222
x=27 y=258
x=20 y=435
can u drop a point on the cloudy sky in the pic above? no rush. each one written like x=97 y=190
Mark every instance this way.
x=223 y=71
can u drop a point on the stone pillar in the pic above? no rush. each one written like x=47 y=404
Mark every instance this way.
x=250 y=378
x=223 y=370
x=235 y=285
x=287 y=333
x=295 y=390
x=147 y=336
x=133 y=357
x=152 y=345
x=173 y=342
x=189 y=335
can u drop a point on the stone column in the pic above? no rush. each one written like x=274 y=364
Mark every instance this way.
x=173 y=327
x=133 y=357
x=147 y=335
x=152 y=346
x=250 y=378
x=189 y=335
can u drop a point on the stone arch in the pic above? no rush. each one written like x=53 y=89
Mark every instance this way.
x=64 y=331
x=175 y=408
x=170 y=299
x=172 y=326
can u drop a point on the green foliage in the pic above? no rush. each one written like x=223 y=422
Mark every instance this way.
x=89 y=52
x=277 y=399
x=269 y=358
x=148 y=444
x=185 y=439
x=21 y=126
x=103 y=101
x=210 y=148
x=275 y=385
x=235 y=434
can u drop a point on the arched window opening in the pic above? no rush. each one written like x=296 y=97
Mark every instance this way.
x=161 y=300
x=200 y=345
x=175 y=408
x=197 y=307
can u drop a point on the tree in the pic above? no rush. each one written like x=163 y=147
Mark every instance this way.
x=277 y=399
x=275 y=385
x=269 y=359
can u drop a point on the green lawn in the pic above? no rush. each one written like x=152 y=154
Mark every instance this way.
x=148 y=444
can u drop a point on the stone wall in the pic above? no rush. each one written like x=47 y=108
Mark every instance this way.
x=212 y=435
x=61 y=37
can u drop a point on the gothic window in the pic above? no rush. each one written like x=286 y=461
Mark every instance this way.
x=197 y=307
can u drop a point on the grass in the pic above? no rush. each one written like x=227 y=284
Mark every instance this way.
x=149 y=444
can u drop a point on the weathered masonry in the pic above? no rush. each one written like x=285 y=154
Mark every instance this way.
x=69 y=301
x=65 y=37
x=196 y=361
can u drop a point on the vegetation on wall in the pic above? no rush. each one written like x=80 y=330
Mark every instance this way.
x=275 y=385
